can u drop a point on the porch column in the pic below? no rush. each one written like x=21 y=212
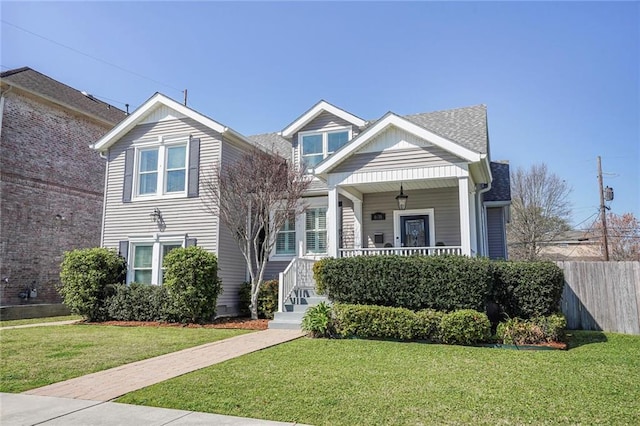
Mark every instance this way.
x=333 y=233
x=357 y=224
x=465 y=230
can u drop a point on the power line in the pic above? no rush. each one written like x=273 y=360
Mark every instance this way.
x=91 y=56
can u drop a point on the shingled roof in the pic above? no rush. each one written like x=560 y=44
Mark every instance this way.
x=32 y=81
x=501 y=184
x=466 y=126
x=272 y=142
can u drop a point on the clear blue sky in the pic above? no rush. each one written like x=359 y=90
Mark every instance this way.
x=560 y=80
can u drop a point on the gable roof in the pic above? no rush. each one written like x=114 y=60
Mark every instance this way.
x=159 y=99
x=52 y=90
x=391 y=119
x=466 y=126
x=315 y=111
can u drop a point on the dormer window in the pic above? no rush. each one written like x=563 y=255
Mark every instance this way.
x=316 y=146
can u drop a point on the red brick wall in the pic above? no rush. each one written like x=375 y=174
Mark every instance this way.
x=51 y=193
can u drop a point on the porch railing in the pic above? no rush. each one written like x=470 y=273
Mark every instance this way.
x=402 y=251
x=297 y=276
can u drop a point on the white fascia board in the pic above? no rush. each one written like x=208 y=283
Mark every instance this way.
x=134 y=118
x=315 y=111
x=390 y=119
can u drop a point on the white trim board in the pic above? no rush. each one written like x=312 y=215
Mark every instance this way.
x=414 y=212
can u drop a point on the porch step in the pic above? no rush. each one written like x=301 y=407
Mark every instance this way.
x=291 y=319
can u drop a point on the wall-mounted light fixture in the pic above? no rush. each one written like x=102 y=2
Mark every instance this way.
x=402 y=199
x=156 y=216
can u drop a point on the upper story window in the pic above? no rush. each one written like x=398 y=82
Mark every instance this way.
x=316 y=146
x=161 y=170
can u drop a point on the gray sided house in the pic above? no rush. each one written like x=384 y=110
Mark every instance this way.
x=51 y=182
x=419 y=184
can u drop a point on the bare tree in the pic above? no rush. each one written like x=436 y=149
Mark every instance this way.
x=540 y=210
x=623 y=236
x=254 y=197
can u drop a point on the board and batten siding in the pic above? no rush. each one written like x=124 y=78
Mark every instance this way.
x=232 y=267
x=444 y=202
x=495 y=233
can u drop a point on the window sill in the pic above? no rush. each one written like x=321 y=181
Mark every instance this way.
x=158 y=197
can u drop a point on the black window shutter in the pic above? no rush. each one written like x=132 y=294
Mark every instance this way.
x=191 y=242
x=194 y=168
x=129 y=156
x=123 y=249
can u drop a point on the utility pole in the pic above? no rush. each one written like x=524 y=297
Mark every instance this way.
x=603 y=212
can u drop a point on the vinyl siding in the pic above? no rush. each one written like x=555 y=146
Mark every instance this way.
x=444 y=201
x=323 y=122
x=495 y=233
x=231 y=262
x=348 y=220
x=394 y=159
x=273 y=268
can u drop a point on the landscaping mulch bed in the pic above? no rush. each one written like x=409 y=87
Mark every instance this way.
x=235 y=323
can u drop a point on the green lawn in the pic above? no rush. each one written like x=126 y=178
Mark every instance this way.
x=38 y=356
x=347 y=382
x=11 y=323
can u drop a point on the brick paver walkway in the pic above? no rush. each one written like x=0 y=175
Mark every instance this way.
x=41 y=324
x=110 y=384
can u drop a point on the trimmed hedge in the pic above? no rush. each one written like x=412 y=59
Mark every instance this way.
x=443 y=283
x=528 y=289
x=138 y=302
x=192 y=283
x=463 y=327
x=267 y=299
x=536 y=330
x=374 y=321
x=87 y=277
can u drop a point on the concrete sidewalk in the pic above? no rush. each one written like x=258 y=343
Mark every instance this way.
x=110 y=384
x=23 y=410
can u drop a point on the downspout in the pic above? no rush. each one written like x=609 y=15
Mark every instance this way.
x=482 y=217
x=104 y=196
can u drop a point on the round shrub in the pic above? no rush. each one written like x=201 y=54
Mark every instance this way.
x=267 y=299
x=370 y=321
x=192 y=283
x=464 y=327
x=138 y=302
x=86 y=277
x=536 y=330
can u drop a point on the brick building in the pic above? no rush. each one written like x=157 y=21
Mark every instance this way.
x=51 y=182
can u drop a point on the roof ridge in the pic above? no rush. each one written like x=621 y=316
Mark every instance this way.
x=484 y=106
x=14 y=71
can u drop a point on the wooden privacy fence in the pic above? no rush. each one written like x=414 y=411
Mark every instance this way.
x=602 y=296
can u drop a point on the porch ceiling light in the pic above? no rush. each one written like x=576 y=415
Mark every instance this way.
x=402 y=199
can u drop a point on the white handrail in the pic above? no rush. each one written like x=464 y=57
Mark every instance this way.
x=401 y=251
x=286 y=283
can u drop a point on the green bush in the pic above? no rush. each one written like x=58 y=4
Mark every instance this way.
x=427 y=325
x=267 y=299
x=86 y=279
x=138 y=302
x=192 y=283
x=368 y=321
x=465 y=327
x=318 y=321
x=528 y=289
x=536 y=330
x=444 y=283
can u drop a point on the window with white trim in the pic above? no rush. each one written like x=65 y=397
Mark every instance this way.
x=147 y=260
x=161 y=170
x=316 y=146
x=316 y=230
x=286 y=238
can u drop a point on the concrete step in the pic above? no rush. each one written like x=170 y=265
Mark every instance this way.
x=284 y=324
x=289 y=316
x=309 y=300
